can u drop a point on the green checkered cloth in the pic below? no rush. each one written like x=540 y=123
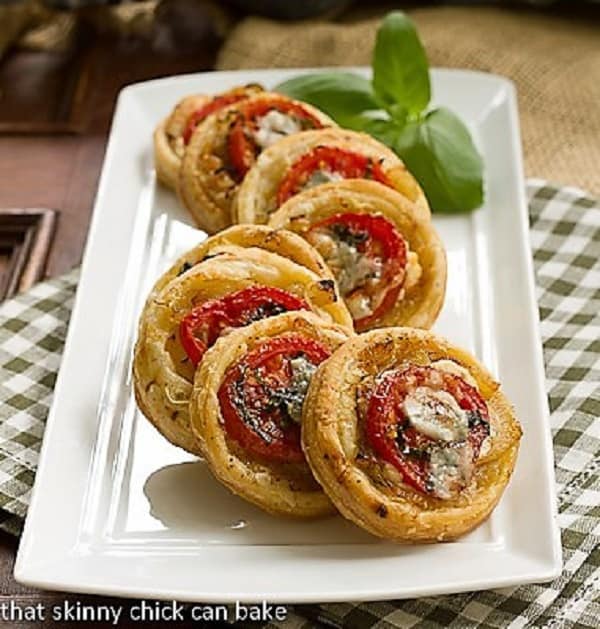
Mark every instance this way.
x=565 y=238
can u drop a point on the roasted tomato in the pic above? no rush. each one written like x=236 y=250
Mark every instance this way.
x=430 y=425
x=215 y=104
x=200 y=328
x=262 y=395
x=262 y=122
x=368 y=257
x=326 y=163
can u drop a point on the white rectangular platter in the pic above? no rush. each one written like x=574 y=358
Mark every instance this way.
x=118 y=510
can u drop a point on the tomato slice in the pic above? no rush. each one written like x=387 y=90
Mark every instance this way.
x=242 y=148
x=331 y=159
x=261 y=394
x=375 y=237
x=396 y=441
x=215 y=104
x=200 y=328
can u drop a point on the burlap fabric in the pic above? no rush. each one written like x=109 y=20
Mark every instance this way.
x=554 y=61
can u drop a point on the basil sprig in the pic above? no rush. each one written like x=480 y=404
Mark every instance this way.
x=434 y=144
x=342 y=95
x=400 y=67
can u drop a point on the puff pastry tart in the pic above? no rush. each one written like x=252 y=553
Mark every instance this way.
x=224 y=147
x=311 y=158
x=173 y=134
x=422 y=441
x=280 y=241
x=183 y=320
x=247 y=407
x=389 y=262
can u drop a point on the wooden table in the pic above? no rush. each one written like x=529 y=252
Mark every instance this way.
x=55 y=113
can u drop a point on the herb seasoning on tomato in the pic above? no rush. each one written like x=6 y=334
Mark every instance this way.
x=200 y=328
x=368 y=256
x=262 y=395
x=328 y=163
x=213 y=105
x=262 y=122
x=430 y=425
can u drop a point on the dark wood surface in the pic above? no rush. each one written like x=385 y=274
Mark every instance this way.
x=26 y=235
x=55 y=113
x=56 y=109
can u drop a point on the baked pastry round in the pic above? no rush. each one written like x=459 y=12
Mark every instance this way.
x=224 y=147
x=180 y=322
x=280 y=241
x=173 y=134
x=247 y=408
x=422 y=441
x=168 y=139
x=389 y=262
x=311 y=158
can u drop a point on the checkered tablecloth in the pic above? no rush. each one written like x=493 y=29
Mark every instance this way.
x=565 y=240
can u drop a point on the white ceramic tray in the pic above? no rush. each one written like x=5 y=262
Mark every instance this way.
x=118 y=510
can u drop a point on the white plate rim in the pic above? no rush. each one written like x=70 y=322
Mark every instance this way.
x=43 y=573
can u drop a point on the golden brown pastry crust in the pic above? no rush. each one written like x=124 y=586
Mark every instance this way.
x=280 y=241
x=364 y=494
x=422 y=302
x=206 y=186
x=168 y=139
x=162 y=378
x=256 y=198
x=281 y=489
x=169 y=145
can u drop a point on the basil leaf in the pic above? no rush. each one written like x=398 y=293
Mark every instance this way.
x=341 y=95
x=400 y=67
x=385 y=130
x=439 y=152
x=398 y=114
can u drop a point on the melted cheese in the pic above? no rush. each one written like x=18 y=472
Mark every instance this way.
x=449 y=366
x=352 y=268
x=436 y=414
x=302 y=372
x=321 y=176
x=273 y=126
x=450 y=469
x=356 y=268
x=355 y=271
